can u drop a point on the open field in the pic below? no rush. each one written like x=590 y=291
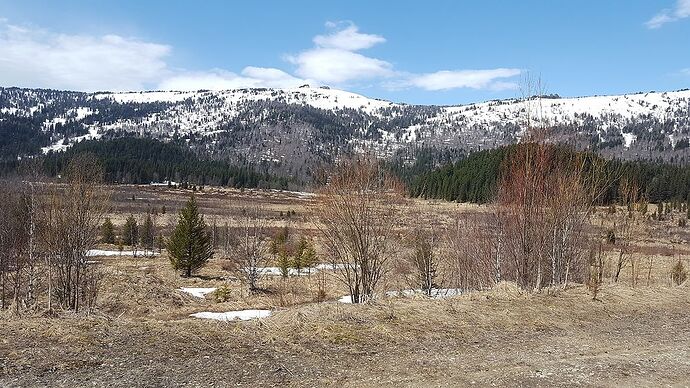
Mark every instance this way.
x=140 y=333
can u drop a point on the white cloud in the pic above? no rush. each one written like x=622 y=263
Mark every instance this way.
x=473 y=79
x=680 y=11
x=349 y=38
x=335 y=59
x=338 y=66
x=31 y=57
x=37 y=58
x=219 y=79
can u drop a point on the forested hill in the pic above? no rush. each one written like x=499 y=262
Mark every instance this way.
x=295 y=132
x=475 y=178
x=141 y=161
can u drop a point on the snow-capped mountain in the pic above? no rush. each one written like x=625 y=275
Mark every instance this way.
x=292 y=130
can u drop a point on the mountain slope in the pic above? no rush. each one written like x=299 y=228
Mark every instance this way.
x=294 y=131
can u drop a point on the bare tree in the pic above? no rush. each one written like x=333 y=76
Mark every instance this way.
x=250 y=247
x=424 y=259
x=472 y=251
x=75 y=215
x=629 y=194
x=13 y=245
x=357 y=211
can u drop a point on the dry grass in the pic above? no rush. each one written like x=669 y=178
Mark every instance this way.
x=142 y=335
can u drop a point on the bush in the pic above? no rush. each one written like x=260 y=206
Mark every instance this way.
x=610 y=236
x=678 y=273
x=682 y=222
x=222 y=294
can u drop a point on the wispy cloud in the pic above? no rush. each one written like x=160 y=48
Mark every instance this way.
x=38 y=58
x=492 y=79
x=680 y=11
x=348 y=38
x=219 y=79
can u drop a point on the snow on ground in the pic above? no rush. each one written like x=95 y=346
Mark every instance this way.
x=126 y=252
x=628 y=139
x=164 y=183
x=243 y=315
x=436 y=293
x=198 y=292
x=329 y=266
x=275 y=271
x=59 y=145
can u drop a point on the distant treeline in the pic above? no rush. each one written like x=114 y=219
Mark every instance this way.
x=475 y=178
x=141 y=161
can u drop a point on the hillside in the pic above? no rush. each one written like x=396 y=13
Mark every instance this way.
x=294 y=131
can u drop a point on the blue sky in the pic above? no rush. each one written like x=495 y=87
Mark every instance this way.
x=431 y=52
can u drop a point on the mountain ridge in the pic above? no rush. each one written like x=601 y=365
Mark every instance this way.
x=292 y=131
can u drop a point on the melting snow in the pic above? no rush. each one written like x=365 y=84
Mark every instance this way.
x=126 y=252
x=628 y=139
x=243 y=315
x=436 y=293
x=198 y=291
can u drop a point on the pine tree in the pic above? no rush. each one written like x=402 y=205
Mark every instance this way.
x=148 y=233
x=108 y=232
x=309 y=255
x=189 y=246
x=130 y=232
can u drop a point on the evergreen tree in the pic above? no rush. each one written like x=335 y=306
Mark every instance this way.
x=148 y=233
x=130 y=232
x=108 y=232
x=189 y=246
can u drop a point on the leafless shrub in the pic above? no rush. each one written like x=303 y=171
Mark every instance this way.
x=596 y=270
x=72 y=219
x=250 y=249
x=424 y=260
x=678 y=273
x=357 y=213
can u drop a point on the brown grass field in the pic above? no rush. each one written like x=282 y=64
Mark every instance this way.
x=635 y=334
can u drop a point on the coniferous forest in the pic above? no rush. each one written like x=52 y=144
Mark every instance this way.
x=141 y=161
x=475 y=177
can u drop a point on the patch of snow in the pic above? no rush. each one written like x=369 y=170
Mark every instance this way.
x=329 y=266
x=628 y=139
x=164 y=183
x=198 y=292
x=243 y=315
x=436 y=293
x=275 y=271
x=59 y=146
x=125 y=252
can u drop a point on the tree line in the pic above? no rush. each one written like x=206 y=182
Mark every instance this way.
x=475 y=178
x=141 y=161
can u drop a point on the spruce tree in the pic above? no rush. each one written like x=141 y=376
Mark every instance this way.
x=189 y=246
x=148 y=233
x=130 y=232
x=108 y=232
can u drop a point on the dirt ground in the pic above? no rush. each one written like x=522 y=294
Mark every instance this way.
x=496 y=338
x=635 y=334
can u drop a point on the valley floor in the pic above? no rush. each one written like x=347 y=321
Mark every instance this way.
x=631 y=337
